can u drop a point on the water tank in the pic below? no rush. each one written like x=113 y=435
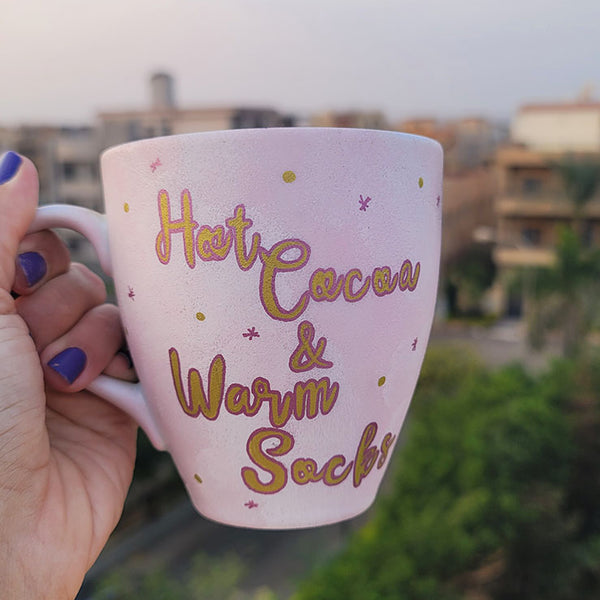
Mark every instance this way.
x=162 y=91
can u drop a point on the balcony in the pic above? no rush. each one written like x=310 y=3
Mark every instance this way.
x=523 y=256
x=551 y=204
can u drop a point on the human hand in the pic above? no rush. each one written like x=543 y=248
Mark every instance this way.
x=66 y=456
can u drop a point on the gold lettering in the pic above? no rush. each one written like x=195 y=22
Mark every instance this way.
x=366 y=455
x=273 y=263
x=386 y=444
x=237 y=401
x=279 y=410
x=309 y=394
x=407 y=279
x=213 y=244
x=185 y=225
x=238 y=225
x=383 y=282
x=323 y=285
x=305 y=470
x=198 y=402
x=353 y=274
x=268 y=464
x=330 y=477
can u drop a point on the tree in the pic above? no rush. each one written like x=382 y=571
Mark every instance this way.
x=208 y=578
x=484 y=468
x=565 y=296
x=470 y=274
x=581 y=178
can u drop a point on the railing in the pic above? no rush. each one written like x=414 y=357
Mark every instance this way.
x=522 y=256
x=548 y=194
x=544 y=205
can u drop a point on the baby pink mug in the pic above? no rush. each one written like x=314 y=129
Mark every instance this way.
x=277 y=289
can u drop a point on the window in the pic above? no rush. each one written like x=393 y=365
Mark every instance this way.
x=531 y=186
x=69 y=171
x=531 y=236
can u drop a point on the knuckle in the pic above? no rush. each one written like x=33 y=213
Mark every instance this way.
x=91 y=282
x=107 y=315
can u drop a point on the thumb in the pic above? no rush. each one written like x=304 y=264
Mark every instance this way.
x=22 y=400
x=19 y=189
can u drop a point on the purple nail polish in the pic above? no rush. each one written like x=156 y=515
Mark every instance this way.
x=69 y=363
x=9 y=165
x=33 y=266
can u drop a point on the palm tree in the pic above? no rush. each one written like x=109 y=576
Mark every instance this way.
x=581 y=179
x=566 y=297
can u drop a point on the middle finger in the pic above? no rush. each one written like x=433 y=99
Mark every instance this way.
x=58 y=305
x=42 y=256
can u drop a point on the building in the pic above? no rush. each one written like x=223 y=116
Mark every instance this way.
x=356 y=119
x=468 y=143
x=163 y=117
x=468 y=210
x=532 y=203
x=66 y=159
x=469 y=182
x=558 y=128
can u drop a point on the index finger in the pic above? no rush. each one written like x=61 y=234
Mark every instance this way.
x=18 y=200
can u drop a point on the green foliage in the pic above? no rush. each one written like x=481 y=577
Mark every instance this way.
x=581 y=178
x=126 y=584
x=469 y=276
x=495 y=492
x=212 y=579
x=209 y=578
x=494 y=495
x=566 y=297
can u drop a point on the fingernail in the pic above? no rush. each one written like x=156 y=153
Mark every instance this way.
x=69 y=363
x=9 y=165
x=33 y=266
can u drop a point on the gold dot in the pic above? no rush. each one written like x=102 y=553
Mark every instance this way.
x=200 y=316
x=126 y=207
x=381 y=381
x=421 y=182
x=289 y=176
x=197 y=478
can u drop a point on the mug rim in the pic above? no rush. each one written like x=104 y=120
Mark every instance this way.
x=262 y=131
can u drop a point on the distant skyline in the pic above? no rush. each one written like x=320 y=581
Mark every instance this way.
x=63 y=61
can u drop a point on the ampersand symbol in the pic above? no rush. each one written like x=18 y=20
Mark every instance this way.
x=307 y=356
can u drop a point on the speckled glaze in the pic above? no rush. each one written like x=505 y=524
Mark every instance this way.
x=277 y=289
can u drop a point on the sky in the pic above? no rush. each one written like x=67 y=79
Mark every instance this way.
x=63 y=61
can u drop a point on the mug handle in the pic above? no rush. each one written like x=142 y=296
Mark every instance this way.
x=125 y=395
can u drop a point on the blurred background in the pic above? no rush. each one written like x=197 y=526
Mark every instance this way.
x=494 y=490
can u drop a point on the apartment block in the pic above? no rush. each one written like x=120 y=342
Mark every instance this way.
x=469 y=182
x=164 y=117
x=357 y=119
x=532 y=203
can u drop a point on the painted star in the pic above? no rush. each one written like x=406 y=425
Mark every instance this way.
x=252 y=333
x=364 y=203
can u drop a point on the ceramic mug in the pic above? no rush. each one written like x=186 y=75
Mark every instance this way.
x=277 y=289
